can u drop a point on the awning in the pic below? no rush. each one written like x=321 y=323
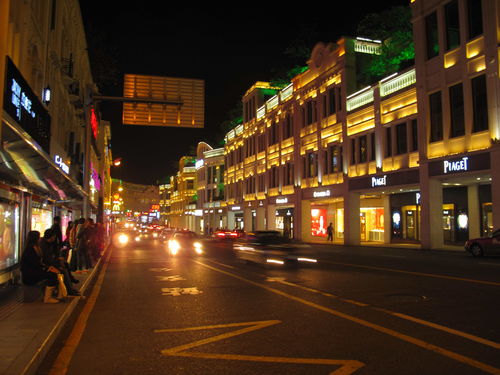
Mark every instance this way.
x=23 y=163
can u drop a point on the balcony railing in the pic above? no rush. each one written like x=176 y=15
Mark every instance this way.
x=359 y=99
x=397 y=83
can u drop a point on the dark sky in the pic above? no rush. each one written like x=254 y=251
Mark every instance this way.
x=229 y=48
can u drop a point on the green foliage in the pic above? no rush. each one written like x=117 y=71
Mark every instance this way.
x=393 y=27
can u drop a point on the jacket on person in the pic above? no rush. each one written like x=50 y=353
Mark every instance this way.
x=32 y=266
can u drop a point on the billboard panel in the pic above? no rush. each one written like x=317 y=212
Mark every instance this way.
x=178 y=102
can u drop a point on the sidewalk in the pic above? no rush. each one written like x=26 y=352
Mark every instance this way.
x=28 y=330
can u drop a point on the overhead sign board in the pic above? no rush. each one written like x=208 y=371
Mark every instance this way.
x=164 y=101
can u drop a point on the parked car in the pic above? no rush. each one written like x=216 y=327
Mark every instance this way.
x=270 y=248
x=485 y=245
x=185 y=243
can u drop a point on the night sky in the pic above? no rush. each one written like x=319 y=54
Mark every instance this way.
x=229 y=48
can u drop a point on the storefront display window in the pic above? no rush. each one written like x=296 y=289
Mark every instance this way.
x=339 y=230
x=9 y=234
x=487 y=219
x=41 y=218
x=372 y=224
x=318 y=222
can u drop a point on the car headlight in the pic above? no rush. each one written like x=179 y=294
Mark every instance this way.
x=198 y=248
x=122 y=239
x=173 y=246
x=138 y=238
x=155 y=235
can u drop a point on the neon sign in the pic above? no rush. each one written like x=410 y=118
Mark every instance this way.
x=94 y=123
x=61 y=164
x=456 y=166
x=321 y=194
x=379 y=181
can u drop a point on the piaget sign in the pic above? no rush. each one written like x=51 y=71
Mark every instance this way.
x=456 y=165
x=321 y=194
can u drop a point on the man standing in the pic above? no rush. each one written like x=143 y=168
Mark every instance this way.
x=329 y=231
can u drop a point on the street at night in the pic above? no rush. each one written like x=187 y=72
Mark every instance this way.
x=358 y=310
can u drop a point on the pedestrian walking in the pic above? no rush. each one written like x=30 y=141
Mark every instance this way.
x=329 y=231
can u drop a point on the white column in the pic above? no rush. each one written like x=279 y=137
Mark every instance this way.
x=387 y=218
x=271 y=217
x=260 y=222
x=432 y=214
x=474 y=211
x=305 y=220
x=351 y=219
x=247 y=219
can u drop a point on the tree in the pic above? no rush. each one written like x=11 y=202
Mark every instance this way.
x=393 y=27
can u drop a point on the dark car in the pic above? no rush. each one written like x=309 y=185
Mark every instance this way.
x=484 y=246
x=270 y=248
x=185 y=243
x=166 y=234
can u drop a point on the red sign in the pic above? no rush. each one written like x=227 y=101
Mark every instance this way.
x=94 y=122
x=318 y=222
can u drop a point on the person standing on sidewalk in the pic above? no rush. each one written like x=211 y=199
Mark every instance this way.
x=329 y=231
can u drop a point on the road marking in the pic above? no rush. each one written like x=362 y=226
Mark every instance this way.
x=452 y=331
x=412 y=340
x=160 y=269
x=416 y=273
x=346 y=366
x=170 y=278
x=60 y=366
x=221 y=264
x=180 y=291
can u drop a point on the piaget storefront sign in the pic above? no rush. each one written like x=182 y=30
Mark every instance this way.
x=474 y=162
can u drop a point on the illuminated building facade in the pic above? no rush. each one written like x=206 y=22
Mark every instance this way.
x=184 y=196
x=457 y=65
x=45 y=124
x=210 y=176
x=405 y=159
x=165 y=191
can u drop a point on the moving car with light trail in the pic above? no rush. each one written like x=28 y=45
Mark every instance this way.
x=270 y=248
x=185 y=243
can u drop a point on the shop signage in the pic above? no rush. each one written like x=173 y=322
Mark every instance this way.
x=475 y=162
x=281 y=200
x=21 y=103
x=389 y=179
x=379 y=181
x=321 y=194
x=455 y=165
x=235 y=208
x=417 y=198
x=61 y=164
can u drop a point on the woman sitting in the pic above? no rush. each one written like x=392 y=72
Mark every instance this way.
x=34 y=270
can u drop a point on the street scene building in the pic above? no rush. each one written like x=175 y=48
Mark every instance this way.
x=55 y=152
x=406 y=158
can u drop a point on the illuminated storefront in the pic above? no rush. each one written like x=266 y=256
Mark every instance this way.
x=9 y=230
x=42 y=216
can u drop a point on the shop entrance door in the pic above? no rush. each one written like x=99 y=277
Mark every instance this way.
x=411 y=225
x=362 y=229
x=449 y=224
x=288 y=226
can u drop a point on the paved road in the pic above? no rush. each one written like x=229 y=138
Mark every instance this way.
x=358 y=311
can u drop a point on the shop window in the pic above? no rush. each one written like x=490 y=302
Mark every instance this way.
x=372 y=224
x=401 y=140
x=431 y=34
x=452 y=25
x=363 y=149
x=353 y=151
x=331 y=101
x=9 y=232
x=474 y=18
x=388 y=141
x=414 y=135
x=436 y=117
x=318 y=222
x=457 y=111
x=479 y=104
x=373 y=147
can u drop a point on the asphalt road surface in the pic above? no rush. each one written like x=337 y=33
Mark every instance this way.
x=357 y=311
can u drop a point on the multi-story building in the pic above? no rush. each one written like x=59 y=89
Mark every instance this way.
x=135 y=201
x=165 y=191
x=457 y=67
x=210 y=176
x=49 y=154
x=407 y=158
x=184 y=196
